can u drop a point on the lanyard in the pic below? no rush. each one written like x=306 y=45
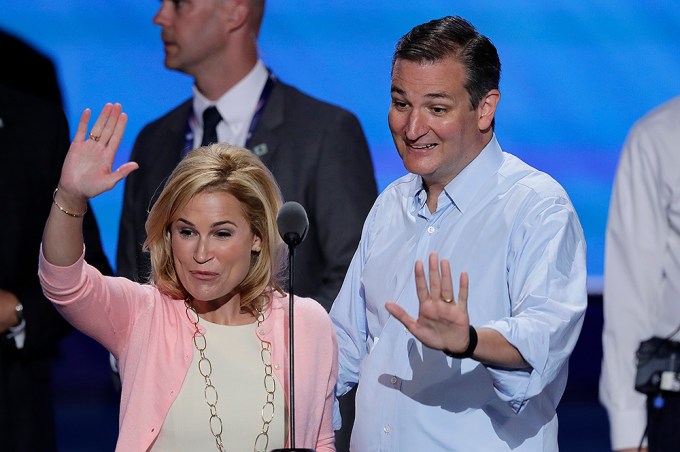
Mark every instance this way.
x=261 y=103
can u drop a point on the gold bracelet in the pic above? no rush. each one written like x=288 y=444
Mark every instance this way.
x=70 y=214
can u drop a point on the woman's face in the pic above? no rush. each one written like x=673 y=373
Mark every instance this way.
x=212 y=244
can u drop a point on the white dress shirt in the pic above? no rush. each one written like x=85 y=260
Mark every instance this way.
x=516 y=233
x=237 y=107
x=642 y=264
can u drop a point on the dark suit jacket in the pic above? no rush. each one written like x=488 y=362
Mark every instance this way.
x=31 y=72
x=34 y=139
x=319 y=157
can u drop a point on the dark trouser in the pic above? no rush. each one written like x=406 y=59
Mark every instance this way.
x=347 y=412
x=663 y=423
x=26 y=411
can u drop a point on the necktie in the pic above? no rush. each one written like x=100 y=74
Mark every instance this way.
x=211 y=117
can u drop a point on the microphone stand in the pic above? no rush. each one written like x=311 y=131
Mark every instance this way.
x=291 y=339
x=292 y=238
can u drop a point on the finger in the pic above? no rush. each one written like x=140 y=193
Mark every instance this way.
x=435 y=280
x=99 y=124
x=447 y=283
x=111 y=123
x=118 y=131
x=421 y=282
x=121 y=173
x=463 y=291
x=398 y=313
x=82 y=125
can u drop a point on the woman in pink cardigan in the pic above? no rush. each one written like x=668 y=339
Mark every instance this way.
x=203 y=348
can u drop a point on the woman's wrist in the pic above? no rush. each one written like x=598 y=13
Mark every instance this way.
x=72 y=206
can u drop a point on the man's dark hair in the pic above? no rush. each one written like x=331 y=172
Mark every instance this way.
x=454 y=36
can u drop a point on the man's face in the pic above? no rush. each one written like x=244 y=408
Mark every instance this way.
x=434 y=128
x=193 y=34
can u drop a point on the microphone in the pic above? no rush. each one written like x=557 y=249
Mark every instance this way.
x=293 y=225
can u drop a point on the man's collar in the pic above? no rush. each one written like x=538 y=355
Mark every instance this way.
x=464 y=187
x=239 y=102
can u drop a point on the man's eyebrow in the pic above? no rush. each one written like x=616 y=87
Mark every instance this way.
x=439 y=95
x=435 y=95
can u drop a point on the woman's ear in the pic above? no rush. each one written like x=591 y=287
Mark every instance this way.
x=257 y=244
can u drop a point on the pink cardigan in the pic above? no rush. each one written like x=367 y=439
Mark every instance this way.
x=151 y=336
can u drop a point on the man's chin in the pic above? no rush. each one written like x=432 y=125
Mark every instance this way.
x=170 y=63
x=417 y=164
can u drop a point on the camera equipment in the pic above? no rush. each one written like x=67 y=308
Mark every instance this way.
x=658 y=366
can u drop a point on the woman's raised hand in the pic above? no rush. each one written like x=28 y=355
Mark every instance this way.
x=87 y=170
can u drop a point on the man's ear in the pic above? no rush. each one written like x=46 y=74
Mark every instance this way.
x=237 y=14
x=487 y=109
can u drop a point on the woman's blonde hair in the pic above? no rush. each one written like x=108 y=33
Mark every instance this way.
x=233 y=170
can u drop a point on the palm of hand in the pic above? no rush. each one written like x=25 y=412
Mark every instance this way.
x=442 y=322
x=87 y=169
x=441 y=325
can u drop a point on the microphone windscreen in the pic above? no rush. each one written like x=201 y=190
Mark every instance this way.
x=293 y=223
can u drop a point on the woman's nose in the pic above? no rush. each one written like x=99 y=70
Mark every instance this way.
x=202 y=253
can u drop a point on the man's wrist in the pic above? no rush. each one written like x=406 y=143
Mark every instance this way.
x=470 y=350
x=19 y=311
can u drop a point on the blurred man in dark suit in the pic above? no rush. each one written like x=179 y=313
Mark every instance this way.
x=31 y=71
x=30 y=328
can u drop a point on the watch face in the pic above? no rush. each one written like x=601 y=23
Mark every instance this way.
x=19 y=309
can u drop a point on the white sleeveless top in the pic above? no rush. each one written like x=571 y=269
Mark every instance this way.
x=238 y=377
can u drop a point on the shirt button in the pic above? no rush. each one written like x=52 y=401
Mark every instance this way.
x=393 y=380
x=387 y=429
x=430 y=229
x=406 y=330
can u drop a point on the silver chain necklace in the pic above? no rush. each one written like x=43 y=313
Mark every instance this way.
x=210 y=393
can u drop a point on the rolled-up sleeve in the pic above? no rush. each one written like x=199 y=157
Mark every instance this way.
x=547 y=289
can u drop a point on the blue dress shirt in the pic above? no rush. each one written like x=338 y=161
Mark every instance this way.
x=516 y=233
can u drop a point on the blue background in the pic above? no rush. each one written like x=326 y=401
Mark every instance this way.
x=576 y=75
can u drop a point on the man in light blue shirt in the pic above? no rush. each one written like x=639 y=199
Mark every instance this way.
x=483 y=370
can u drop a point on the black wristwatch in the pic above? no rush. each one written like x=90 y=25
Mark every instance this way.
x=19 y=310
x=470 y=349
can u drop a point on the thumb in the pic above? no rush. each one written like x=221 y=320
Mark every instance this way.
x=121 y=173
x=399 y=313
x=125 y=169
